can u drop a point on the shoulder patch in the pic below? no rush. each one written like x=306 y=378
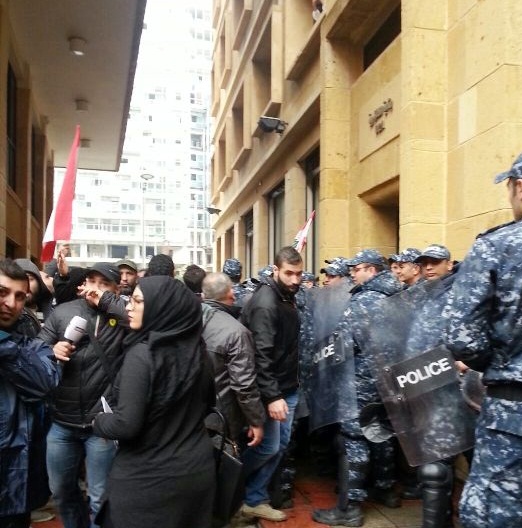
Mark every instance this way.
x=493 y=229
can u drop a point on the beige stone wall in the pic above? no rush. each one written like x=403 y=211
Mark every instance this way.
x=17 y=223
x=446 y=118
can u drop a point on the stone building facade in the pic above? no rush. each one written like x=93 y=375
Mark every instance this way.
x=391 y=118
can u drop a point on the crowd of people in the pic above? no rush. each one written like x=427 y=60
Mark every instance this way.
x=107 y=375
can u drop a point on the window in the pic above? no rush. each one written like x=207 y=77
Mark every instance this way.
x=11 y=127
x=119 y=252
x=33 y=173
x=276 y=220
x=382 y=38
x=249 y=243
x=311 y=166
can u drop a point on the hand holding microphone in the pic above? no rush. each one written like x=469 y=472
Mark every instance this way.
x=75 y=330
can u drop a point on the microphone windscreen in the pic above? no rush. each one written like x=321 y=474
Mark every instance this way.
x=76 y=329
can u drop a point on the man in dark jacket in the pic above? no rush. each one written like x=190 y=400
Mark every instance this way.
x=28 y=373
x=89 y=369
x=272 y=317
x=39 y=298
x=231 y=350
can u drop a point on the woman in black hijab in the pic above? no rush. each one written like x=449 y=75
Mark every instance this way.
x=163 y=475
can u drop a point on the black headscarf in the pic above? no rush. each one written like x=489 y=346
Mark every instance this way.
x=172 y=330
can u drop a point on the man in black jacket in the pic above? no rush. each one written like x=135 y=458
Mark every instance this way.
x=89 y=368
x=272 y=317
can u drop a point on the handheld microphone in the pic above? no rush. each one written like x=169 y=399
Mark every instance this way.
x=75 y=330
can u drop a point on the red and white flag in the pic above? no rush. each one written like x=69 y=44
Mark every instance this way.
x=60 y=223
x=300 y=238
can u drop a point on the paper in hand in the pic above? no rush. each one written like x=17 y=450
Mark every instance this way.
x=105 y=405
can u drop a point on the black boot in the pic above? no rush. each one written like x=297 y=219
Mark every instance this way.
x=436 y=481
x=351 y=516
x=346 y=513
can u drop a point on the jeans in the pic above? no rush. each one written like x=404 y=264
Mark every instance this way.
x=67 y=448
x=260 y=462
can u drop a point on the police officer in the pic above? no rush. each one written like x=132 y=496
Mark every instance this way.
x=233 y=268
x=373 y=282
x=336 y=271
x=409 y=272
x=435 y=262
x=485 y=317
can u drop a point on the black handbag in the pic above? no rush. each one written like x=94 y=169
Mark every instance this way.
x=230 y=480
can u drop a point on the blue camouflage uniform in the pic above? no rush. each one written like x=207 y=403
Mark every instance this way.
x=485 y=318
x=364 y=299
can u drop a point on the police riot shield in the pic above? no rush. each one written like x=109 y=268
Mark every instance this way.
x=416 y=375
x=330 y=385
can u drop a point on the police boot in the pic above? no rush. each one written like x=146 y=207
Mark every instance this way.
x=346 y=513
x=436 y=481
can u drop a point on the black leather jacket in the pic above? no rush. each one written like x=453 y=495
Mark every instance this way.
x=272 y=318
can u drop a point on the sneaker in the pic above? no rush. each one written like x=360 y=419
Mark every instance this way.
x=387 y=497
x=352 y=516
x=264 y=511
x=42 y=516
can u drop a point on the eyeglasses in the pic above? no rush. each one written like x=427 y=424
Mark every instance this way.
x=134 y=301
x=356 y=269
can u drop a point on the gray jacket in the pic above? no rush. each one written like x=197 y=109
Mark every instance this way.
x=231 y=350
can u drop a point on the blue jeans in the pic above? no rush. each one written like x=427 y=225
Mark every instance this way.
x=67 y=448
x=260 y=462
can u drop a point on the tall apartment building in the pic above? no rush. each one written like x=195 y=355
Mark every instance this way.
x=156 y=202
x=390 y=119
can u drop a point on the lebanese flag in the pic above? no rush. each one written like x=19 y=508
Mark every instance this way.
x=302 y=234
x=60 y=223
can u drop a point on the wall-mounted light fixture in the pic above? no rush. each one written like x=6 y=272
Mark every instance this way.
x=82 y=105
x=272 y=124
x=77 y=46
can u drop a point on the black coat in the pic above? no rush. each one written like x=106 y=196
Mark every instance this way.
x=85 y=379
x=273 y=319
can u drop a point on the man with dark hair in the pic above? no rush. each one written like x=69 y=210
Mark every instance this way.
x=39 y=298
x=193 y=278
x=28 y=373
x=160 y=265
x=484 y=320
x=89 y=370
x=128 y=277
x=272 y=317
x=231 y=349
x=435 y=262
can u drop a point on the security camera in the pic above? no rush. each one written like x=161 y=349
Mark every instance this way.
x=213 y=210
x=272 y=124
